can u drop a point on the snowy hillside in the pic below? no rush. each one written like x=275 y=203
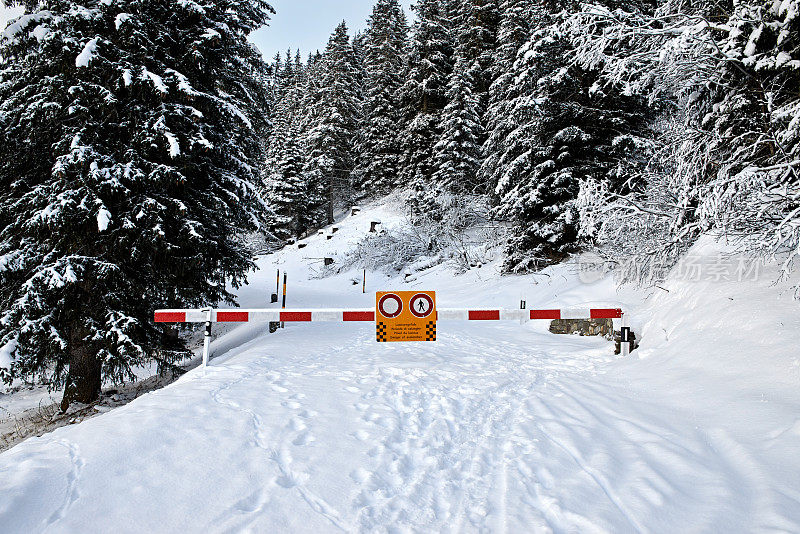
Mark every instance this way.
x=499 y=427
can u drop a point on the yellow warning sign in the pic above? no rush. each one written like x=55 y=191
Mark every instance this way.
x=405 y=316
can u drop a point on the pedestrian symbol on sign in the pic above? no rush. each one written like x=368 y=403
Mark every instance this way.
x=421 y=305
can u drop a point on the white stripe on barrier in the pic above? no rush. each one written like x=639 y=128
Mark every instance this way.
x=576 y=313
x=452 y=314
x=515 y=315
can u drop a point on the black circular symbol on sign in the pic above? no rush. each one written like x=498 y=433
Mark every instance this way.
x=390 y=306
x=421 y=305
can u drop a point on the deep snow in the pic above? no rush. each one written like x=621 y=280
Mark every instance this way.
x=499 y=427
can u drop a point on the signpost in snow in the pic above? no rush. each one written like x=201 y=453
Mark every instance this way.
x=405 y=316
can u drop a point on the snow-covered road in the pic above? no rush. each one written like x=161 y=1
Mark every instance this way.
x=495 y=427
x=492 y=428
x=431 y=437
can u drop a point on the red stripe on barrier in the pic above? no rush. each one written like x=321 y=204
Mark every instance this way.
x=358 y=316
x=295 y=317
x=170 y=317
x=545 y=314
x=605 y=313
x=484 y=315
x=233 y=317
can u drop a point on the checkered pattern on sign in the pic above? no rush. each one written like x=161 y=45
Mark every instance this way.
x=430 y=331
x=380 y=332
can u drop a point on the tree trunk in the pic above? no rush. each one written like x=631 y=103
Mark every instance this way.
x=330 y=195
x=84 y=380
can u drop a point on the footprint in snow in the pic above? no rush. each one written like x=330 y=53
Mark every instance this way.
x=303 y=439
x=361 y=435
x=251 y=503
x=291 y=480
x=297 y=424
x=360 y=475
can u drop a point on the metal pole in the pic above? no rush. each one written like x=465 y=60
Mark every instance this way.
x=284 y=294
x=624 y=337
x=364 y=283
x=207 y=340
x=273 y=325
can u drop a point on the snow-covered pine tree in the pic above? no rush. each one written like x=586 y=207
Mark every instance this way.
x=379 y=152
x=423 y=97
x=286 y=190
x=129 y=143
x=476 y=26
x=334 y=120
x=359 y=48
x=569 y=128
x=284 y=104
x=751 y=121
x=516 y=21
x=284 y=187
x=457 y=153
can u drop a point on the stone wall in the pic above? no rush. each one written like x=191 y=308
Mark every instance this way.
x=591 y=327
x=583 y=327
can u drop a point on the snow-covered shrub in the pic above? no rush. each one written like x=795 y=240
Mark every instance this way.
x=465 y=237
x=731 y=76
x=647 y=230
x=392 y=250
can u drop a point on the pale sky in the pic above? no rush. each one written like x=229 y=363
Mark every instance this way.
x=307 y=24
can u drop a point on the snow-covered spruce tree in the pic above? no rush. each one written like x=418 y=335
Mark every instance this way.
x=457 y=153
x=284 y=184
x=285 y=190
x=359 y=52
x=129 y=142
x=282 y=109
x=423 y=97
x=334 y=120
x=476 y=26
x=516 y=21
x=569 y=128
x=379 y=152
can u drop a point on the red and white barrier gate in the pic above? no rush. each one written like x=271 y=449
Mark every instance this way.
x=209 y=316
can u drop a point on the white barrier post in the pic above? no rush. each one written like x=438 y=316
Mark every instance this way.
x=207 y=336
x=625 y=337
